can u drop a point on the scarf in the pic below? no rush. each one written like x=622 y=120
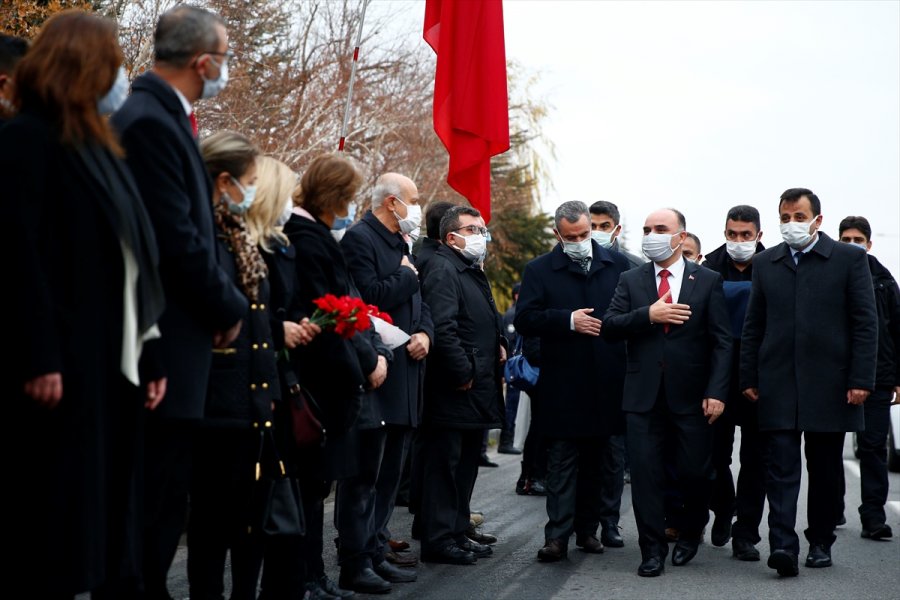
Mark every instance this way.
x=250 y=265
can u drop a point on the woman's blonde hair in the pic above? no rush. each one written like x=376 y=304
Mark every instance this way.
x=275 y=183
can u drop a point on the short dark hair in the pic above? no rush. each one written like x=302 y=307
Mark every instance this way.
x=183 y=32
x=433 y=216
x=602 y=207
x=450 y=220
x=794 y=194
x=696 y=241
x=12 y=49
x=744 y=214
x=860 y=223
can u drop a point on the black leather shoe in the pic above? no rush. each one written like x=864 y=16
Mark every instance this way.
x=785 y=562
x=684 y=551
x=389 y=572
x=721 y=530
x=537 y=488
x=479 y=550
x=652 y=567
x=589 y=544
x=451 y=554
x=611 y=537
x=744 y=550
x=508 y=450
x=842 y=520
x=553 y=550
x=880 y=532
x=364 y=581
x=332 y=589
x=819 y=556
x=480 y=538
x=484 y=461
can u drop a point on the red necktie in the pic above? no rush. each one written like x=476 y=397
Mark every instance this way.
x=194 y=128
x=663 y=288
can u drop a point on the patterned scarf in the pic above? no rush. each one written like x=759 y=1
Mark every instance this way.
x=250 y=264
x=584 y=263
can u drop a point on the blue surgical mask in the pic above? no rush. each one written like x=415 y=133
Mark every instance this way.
x=243 y=206
x=344 y=222
x=116 y=96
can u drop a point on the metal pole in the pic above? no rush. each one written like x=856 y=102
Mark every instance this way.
x=362 y=18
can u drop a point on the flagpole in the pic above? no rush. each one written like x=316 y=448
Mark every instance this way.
x=362 y=17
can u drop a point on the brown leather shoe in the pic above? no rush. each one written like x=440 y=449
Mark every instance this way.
x=589 y=544
x=398 y=545
x=401 y=560
x=553 y=550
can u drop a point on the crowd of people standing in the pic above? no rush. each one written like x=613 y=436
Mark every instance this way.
x=166 y=326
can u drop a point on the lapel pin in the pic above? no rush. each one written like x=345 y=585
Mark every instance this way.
x=690 y=277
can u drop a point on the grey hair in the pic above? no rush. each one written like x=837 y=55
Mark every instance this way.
x=450 y=220
x=384 y=187
x=571 y=211
x=183 y=32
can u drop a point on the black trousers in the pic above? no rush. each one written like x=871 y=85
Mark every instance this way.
x=749 y=499
x=221 y=496
x=365 y=502
x=612 y=481
x=574 y=486
x=647 y=447
x=167 y=464
x=873 y=459
x=451 y=464
x=825 y=467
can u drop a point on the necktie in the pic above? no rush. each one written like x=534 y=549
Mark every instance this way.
x=797 y=257
x=663 y=288
x=194 y=128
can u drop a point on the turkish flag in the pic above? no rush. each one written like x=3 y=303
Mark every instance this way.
x=471 y=108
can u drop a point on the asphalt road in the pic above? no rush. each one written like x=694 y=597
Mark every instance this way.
x=862 y=569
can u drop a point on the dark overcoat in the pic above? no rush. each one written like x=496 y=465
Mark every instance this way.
x=373 y=256
x=200 y=298
x=810 y=335
x=468 y=332
x=580 y=386
x=692 y=360
x=71 y=473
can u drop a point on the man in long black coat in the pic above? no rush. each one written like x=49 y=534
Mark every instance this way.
x=463 y=386
x=379 y=262
x=203 y=306
x=808 y=354
x=671 y=313
x=563 y=295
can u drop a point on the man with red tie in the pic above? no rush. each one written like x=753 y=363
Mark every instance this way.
x=671 y=314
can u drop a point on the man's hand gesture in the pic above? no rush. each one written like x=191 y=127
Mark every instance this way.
x=662 y=311
x=585 y=323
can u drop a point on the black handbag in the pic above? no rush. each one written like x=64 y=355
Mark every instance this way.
x=277 y=508
x=518 y=372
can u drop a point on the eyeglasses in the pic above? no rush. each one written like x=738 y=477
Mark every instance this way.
x=473 y=229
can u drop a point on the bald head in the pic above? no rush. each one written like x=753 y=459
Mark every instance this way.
x=393 y=185
x=665 y=220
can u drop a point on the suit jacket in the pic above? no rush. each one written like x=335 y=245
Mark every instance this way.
x=200 y=298
x=373 y=256
x=809 y=336
x=692 y=360
x=580 y=386
x=467 y=340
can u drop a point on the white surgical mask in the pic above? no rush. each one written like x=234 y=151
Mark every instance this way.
x=577 y=250
x=413 y=217
x=213 y=87
x=476 y=245
x=116 y=96
x=796 y=235
x=740 y=252
x=658 y=246
x=604 y=238
x=285 y=215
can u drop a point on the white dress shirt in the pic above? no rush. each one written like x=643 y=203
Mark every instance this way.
x=676 y=278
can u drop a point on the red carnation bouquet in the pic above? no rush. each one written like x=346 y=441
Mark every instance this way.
x=345 y=315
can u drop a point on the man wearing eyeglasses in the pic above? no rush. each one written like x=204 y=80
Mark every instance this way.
x=203 y=307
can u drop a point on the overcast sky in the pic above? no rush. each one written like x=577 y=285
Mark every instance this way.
x=704 y=105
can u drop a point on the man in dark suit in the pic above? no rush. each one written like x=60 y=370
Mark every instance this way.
x=733 y=260
x=808 y=355
x=671 y=313
x=561 y=293
x=203 y=306
x=379 y=261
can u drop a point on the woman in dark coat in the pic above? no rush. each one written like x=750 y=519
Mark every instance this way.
x=243 y=387
x=83 y=261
